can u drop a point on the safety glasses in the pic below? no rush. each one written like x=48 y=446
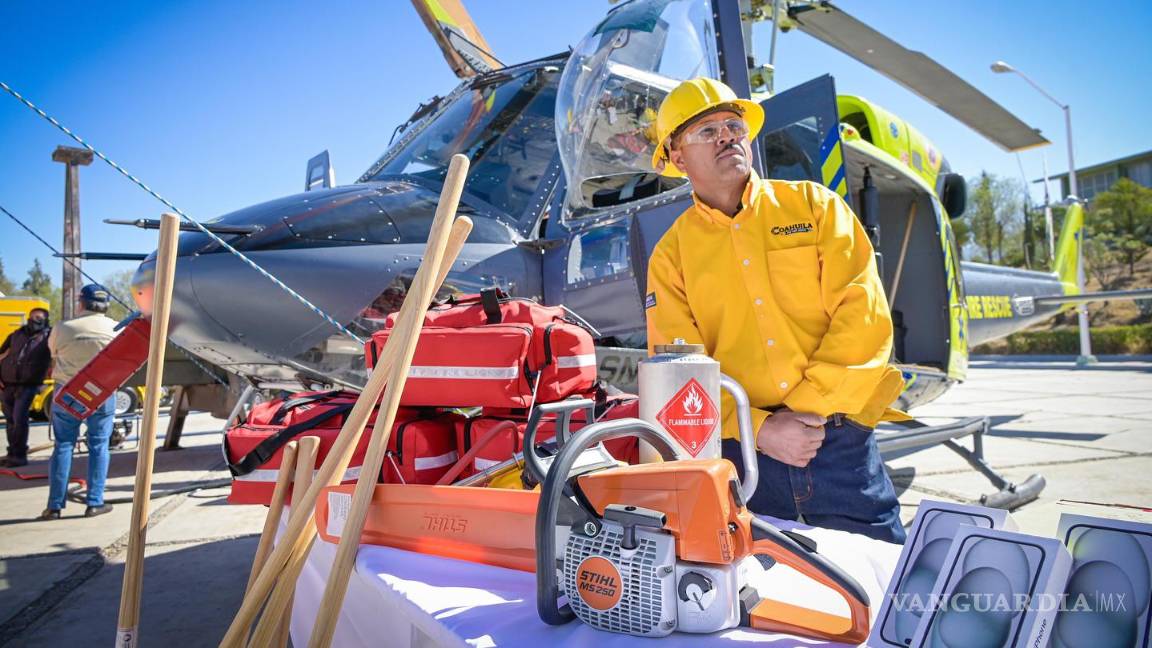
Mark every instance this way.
x=710 y=132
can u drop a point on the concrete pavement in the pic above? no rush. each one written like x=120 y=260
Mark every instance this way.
x=1089 y=432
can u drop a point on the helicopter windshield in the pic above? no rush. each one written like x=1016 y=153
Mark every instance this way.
x=503 y=124
x=611 y=89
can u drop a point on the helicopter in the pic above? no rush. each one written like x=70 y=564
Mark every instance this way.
x=567 y=208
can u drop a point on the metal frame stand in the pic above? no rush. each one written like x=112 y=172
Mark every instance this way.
x=177 y=414
x=919 y=435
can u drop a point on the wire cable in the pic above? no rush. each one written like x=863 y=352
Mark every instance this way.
x=187 y=354
x=219 y=241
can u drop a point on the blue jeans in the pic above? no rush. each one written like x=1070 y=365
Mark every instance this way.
x=844 y=487
x=67 y=430
x=15 y=401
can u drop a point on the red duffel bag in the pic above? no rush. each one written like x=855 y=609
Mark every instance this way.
x=254 y=449
x=488 y=350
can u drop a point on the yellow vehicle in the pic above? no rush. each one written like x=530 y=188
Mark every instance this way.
x=14 y=312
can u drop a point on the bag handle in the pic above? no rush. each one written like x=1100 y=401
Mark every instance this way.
x=260 y=455
x=490 y=302
x=293 y=403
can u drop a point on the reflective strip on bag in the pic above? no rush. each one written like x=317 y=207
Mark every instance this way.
x=465 y=373
x=575 y=361
x=485 y=464
x=439 y=461
x=269 y=475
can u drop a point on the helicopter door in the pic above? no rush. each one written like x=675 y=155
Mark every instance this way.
x=593 y=274
x=801 y=136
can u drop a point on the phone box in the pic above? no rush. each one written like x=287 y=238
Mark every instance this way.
x=1106 y=600
x=996 y=588
x=929 y=538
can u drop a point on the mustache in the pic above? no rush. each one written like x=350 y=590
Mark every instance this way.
x=733 y=145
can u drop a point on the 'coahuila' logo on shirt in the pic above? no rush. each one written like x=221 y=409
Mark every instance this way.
x=794 y=228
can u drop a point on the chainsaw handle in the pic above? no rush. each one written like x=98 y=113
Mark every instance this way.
x=747 y=436
x=563 y=411
x=778 y=616
x=552 y=490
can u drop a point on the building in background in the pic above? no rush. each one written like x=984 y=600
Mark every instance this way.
x=1101 y=177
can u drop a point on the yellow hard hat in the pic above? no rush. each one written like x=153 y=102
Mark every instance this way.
x=689 y=100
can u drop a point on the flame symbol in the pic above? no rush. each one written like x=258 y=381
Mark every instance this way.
x=692 y=402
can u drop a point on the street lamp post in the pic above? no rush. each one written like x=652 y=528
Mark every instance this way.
x=1086 y=356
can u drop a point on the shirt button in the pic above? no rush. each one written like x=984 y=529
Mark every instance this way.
x=783 y=385
x=771 y=342
x=736 y=226
x=759 y=301
x=747 y=261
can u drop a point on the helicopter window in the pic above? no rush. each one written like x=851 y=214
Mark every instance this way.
x=859 y=121
x=598 y=253
x=616 y=158
x=505 y=128
x=789 y=152
x=611 y=90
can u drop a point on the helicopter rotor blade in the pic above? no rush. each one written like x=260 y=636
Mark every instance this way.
x=457 y=36
x=103 y=256
x=917 y=72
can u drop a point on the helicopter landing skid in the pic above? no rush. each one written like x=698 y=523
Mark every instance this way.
x=919 y=435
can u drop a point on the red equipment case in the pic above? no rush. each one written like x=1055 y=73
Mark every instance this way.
x=491 y=351
x=107 y=371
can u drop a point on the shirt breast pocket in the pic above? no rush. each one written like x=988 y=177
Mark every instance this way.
x=795 y=277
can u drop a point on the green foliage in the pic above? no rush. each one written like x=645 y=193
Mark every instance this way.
x=120 y=285
x=1108 y=340
x=1120 y=225
x=996 y=220
x=6 y=286
x=38 y=282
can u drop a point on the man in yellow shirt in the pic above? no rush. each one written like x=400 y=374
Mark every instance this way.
x=778 y=281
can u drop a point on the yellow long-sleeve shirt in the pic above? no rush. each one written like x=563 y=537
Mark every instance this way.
x=785 y=295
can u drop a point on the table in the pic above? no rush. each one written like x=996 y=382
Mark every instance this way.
x=401 y=598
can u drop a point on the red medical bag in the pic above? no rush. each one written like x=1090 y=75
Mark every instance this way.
x=508 y=442
x=421 y=449
x=491 y=351
x=421 y=446
x=107 y=371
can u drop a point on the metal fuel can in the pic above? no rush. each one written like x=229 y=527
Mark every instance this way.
x=680 y=393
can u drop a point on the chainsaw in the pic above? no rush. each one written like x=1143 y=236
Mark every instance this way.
x=657 y=548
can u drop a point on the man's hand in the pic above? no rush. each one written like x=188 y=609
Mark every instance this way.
x=791 y=437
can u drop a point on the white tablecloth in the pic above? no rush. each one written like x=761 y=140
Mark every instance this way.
x=401 y=598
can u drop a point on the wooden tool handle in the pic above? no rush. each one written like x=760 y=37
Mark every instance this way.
x=300 y=529
x=272 y=629
x=404 y=339
x=275 y=508
x=129 y=617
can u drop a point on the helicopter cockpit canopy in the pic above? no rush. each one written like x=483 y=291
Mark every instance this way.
x=610 y=92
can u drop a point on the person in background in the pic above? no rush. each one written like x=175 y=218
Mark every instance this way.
x=24 y=364
x=73 y=344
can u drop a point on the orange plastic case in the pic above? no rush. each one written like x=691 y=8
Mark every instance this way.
x=484 y=525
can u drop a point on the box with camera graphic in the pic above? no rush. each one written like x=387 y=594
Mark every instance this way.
x=1106 y=600
x=929 y=538
x=996 y=588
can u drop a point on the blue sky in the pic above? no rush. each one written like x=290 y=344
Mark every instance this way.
x=218 y=105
